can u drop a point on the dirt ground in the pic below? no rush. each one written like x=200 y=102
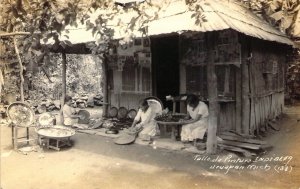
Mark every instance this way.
x=95 y=162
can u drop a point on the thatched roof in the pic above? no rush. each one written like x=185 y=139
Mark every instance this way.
x=220 y=15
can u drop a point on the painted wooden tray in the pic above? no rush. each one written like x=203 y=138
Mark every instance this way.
x=131 y=113
x=45 y=119
x=155 y=104
x=113 y=112
x=20 y=114
x=84 y=117
x=122 y=113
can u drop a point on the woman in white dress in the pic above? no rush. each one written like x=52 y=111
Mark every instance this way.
x=145 y=120
x=69 y=113
x=196 y=128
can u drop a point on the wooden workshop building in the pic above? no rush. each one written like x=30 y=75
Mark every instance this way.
x=233 y=57
x=248 y=56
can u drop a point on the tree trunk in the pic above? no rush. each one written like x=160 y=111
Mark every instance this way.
x=21 y=70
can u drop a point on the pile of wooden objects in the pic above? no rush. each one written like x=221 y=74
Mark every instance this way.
x=84 y=100
x=44 y=106
x=78 y=101
x=246 y=146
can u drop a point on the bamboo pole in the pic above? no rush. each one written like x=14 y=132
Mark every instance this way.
x=21 y=69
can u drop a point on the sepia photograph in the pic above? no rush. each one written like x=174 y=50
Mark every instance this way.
x=150 y=94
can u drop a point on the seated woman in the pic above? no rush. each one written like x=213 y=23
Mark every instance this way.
x=145 y=120
x=196 y=128
x=69 y=113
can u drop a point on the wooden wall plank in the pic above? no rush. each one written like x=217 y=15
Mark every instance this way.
x=238 y=100
x=245 y=87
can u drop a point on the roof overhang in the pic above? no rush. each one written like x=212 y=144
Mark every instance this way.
x=177 y=18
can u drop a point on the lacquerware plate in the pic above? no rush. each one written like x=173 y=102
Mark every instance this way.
x=20 y=114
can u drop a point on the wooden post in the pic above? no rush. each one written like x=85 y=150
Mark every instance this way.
x=214 y=109
x=105 y=87
x=21 y=69
x=238 y=100
x=182 y=77
x=245 y=89
x=245 y=99
x=64 y=75
x=64 y=85
x=253 y=124
x=226 y=82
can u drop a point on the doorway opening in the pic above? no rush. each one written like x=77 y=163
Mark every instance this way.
x=165 y=67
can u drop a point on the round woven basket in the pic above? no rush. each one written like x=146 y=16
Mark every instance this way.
x=20 y=114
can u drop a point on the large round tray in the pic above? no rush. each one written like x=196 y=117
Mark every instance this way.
x=46 y=119
x=131 y=113
x=113 y=112
x=84 y=117
x=56 y=131
x=20 y=114
x=122 y=113
x=155 y=104
x=125 y=138
x=171 y=119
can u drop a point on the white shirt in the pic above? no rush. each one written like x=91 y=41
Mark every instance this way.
x=68 y=111
x=145 y=117
x=201 y=109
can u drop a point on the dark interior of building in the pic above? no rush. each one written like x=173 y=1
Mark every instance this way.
x=165 y=67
